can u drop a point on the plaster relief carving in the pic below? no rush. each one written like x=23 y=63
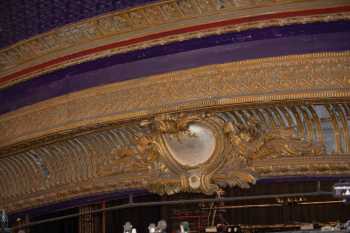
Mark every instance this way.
x=200 y=152
x=245 y=144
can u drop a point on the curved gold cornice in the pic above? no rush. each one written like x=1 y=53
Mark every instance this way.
x=299 y=77
x=146 y=26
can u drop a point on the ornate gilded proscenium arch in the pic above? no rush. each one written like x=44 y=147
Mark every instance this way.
x=230 y=147
x=176 y=96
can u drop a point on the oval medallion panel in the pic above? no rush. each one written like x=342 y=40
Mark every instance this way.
x=193 y=147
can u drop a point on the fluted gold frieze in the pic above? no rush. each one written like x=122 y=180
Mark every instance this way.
x=233 y=147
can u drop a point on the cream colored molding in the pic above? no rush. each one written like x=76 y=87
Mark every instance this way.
x=147 y=20
x=318 y=76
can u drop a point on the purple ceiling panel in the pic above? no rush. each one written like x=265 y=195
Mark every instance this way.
x=21 y=19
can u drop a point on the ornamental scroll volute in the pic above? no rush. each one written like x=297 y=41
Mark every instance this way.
x=201 y=152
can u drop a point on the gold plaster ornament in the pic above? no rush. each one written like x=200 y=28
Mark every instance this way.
x=251 y=142
x=184 y=152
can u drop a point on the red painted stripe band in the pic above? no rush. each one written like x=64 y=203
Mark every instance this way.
x=59 y=60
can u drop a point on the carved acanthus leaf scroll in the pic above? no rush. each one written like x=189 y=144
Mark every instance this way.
x=253 y=141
